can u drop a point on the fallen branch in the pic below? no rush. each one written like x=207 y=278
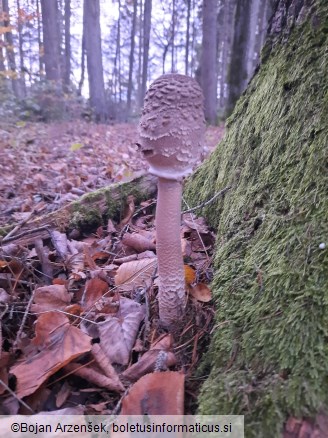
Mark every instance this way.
x=205 y=203
x=87 y=212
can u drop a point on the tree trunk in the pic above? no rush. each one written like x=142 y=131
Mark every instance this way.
x=67 y=74
x=40 y=46
x=140 y=21
x=2 y=57
x=209 y=60
x=173 y=36
x=146 y=40
x=237 y=75
x=81 y=81
x=187 y=37
x=51 y=41
x=268 y=359
x=131 y=57
x=255 y=9
x=91 y=16
x=117 y=60
x=21 y=53
x=10 y=51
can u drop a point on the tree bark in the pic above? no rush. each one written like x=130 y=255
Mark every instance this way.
x=41 y=63
x=10 y=51
x=238 y=75
x=91 y=20
x=131 y=57
x=67 y=74
x=268 y=357
x=146 y=40
x=187 y=37
x=173 y=36
x=51 y=41
x=2 y=57
x=21 y=54
x=209 y=60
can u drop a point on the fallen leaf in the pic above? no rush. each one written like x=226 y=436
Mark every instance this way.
x=149 y=362
x=63 y=394
x=76 y=147
x=138 y=242
x=128 y=211
x=57 y=343
x=201 y=292
x=52 y=297
x=95 y=375
x=156 y=394
x=94 y=290
x=104 y=363
x=118 y=333
x=135 y=274
x=190 y=274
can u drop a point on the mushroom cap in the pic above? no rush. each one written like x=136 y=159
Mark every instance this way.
x=172 y=126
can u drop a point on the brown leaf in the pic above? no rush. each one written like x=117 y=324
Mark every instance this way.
x=94 y=375
x=60 y=243
x=135 y=274
x=147 y=364
x=201 y=292
x=50 y=297
x=105 y=364
x=156 y=394
x=55 y=296
x=4 y=364
x=63 y=394
x=138 y=242
x=59 y=343
x=118 y=333
x=94 y=290
x=128 y=211
x=190 y=274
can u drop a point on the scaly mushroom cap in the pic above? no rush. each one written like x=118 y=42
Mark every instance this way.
x=172 y=126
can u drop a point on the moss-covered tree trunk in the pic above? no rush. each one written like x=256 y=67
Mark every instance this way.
x=268 y=358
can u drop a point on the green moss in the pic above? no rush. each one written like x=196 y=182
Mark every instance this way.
x=114 y=198
x=85 y=218
x=269 y=354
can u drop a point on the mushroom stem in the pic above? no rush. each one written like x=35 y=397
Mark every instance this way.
x=169 y=252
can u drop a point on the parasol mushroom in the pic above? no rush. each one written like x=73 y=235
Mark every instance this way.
x=171 y=133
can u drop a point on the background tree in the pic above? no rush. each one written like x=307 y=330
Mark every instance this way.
x=51 y=41
x=2 y=43
x=208 y=67
x=67 y=63
x=131 y=56
x=139 y=41
x=238 y=73
x=9 y=44
x=146 y=42
x=92 y=34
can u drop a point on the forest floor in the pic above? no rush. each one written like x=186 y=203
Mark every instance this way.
x=78 y=317
x=44 y=166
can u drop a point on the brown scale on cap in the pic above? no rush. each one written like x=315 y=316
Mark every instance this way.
x=171 y=133
x=172 y=126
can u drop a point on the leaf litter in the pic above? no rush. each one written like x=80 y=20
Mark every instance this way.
x=79 y=318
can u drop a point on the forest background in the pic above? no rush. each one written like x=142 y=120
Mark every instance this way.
x=55 y=54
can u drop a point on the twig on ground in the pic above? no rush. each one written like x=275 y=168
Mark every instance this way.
x=8 y=238
x=205 y=203
x=18 y=226
x=26 y=313
x=15 y=396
